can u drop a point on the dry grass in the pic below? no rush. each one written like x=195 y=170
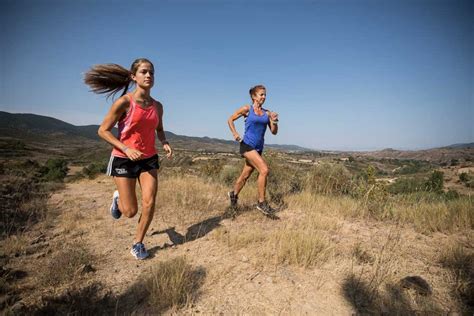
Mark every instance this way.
x=431 y=216
x=300 y=244
x=374 y=285
x=371 y=287
x=190 y=199
x=362 y=255
x=302 y=247
x=459 y=260
x=14 y=245
x=173 y=284
x=241 y=239
x=72 y=219
x=67 y=265
x=426 y=216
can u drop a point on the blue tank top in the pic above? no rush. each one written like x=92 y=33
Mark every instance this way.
x=255 y=127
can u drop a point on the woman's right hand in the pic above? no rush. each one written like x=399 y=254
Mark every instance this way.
x=237 y=137
x=133 y=154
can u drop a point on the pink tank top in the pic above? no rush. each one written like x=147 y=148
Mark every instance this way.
x=137 y=129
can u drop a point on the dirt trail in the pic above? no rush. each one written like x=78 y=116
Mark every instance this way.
x=235 y=281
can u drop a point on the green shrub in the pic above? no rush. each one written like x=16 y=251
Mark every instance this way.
x=417 y=184
x=467 y=179
x=406 y=185
x=435 y=182
x=328 y=179
x=230 y=173
x=54 y=170
x=373 y=196
x=412 y=166
x=211 y=169
x=93 y=169
x=282 y=180
x=451 y=195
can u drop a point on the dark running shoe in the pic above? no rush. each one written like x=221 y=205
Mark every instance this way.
x=265 y=208
x=233 y=199
x=138 y=251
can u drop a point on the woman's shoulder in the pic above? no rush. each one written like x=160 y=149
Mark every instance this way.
x=123 y=102
x=158 y=105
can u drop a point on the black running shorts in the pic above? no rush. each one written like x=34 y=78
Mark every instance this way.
x=244 y=148
x=124 y=167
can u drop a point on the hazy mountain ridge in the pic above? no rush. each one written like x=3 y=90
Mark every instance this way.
x=33 y=125
x=38 y=128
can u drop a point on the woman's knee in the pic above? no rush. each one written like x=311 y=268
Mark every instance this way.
x=264 y=171
x=130 y=211
x=148 y=204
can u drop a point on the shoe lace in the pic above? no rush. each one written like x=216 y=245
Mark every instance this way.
x=139 y=247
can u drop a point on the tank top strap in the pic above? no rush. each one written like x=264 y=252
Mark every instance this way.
x=132 y=102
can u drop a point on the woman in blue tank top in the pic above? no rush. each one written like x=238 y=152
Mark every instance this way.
x=251 y=146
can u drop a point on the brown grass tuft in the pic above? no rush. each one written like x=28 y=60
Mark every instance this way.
x=14 y=245
x=460 y=261
x=302 y=247
x=66 y=265
x=173 y=284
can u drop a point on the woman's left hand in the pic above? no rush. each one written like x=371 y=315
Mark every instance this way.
x=168 y=151
x=274 y=116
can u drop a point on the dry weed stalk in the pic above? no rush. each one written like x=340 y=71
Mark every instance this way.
x=364 y=287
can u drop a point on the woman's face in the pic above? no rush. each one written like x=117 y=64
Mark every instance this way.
x=145 y=76
x=259 y=96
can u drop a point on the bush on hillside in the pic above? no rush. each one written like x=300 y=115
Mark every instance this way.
x=328 y=179
x=229 y=174
x=93 y=169
x=467 y=179
x=435 y=182
x=211 y=169
x=54 y=170
x=282 y=180
x=407 y=185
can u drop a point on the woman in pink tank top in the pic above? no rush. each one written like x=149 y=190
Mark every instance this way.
x=140 y=120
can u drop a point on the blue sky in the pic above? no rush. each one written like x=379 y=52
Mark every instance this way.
x=346 y=75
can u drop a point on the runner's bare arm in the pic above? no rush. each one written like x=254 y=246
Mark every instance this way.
x=273 y=122
x=243 y=111
x=160 y=132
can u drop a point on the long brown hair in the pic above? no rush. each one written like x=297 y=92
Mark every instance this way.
x=109 y=79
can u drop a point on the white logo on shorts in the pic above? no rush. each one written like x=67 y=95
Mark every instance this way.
x=120 y=170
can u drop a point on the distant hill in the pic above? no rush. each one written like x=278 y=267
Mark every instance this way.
x=32 y=127
x=38 y=130
x=438 y=155
x=461 y=146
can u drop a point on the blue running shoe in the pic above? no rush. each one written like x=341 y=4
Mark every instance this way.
x=138 y=251
x=114 y=208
